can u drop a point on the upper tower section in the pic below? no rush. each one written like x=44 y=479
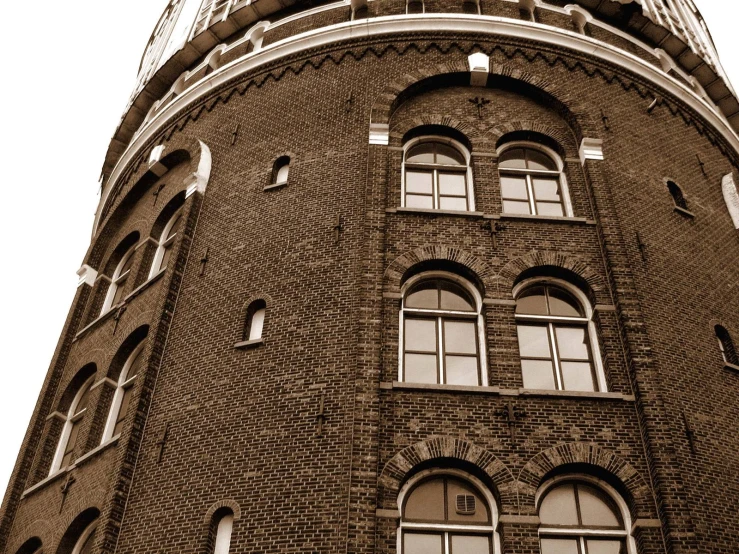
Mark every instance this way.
x=197 y=44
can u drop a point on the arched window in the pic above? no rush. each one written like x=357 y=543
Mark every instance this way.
x=447 y=514
x=254 y=324
x=556 y=338
x=119 y=408
x=165 y=244
x=471 y=6
x=223 y=527
x=532 y=182
x=441 y=332
x=68 y=439
x=677 y=195
x=31 y=546
x=726 y=345
x=436 y=175
x=280 y=171
x=579 y=517
x=118 y=282
x=87 y=540
x=414 y=6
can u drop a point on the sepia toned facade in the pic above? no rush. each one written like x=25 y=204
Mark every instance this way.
x=403 y=277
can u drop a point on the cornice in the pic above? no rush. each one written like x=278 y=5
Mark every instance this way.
x=393 y=27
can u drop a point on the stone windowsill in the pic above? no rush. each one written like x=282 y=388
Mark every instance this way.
x=244 y=344
x=546 y=218
x=733 y=367
x=684 y=212
x=274 y=186
x=97 y=450
x=434 y=213
x=396 y=385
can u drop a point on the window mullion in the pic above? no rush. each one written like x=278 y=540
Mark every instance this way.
x=555 y=356
x=440 y=349
x=530 y=190
x=447 y=548
x=435 y=185
x=582 y=545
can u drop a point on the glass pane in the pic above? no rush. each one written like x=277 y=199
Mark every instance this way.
x=546 y=189
x=533 y=341
x=88 y=544
x=577 y=376
x=415 y=201
x=282 y=174
x=175 y=226
x=595 y=508
x=455 y=488
x=470 y=544
x=418 y=543
x=446 y=154
x=513 y=188
x=549 y=208
x=123 y=410
x=426 y=502
x=165 y=257
x=604 y=547
x=539 y=160
x=538 y=374
x=420 y=368
x=453 y=203
x=223 y=535
x=71 y=443
x=461 y=370
x=563 y=304
x=419 y=182
x=513 y=159
x=421 y=153
x=135 y=366
x=82 y=402
x=452 y=184
x=532 y=301
x=420 y=334
x=118 y=296
x=572 y=343
x=257 y=324
x=558 y=507
x=455 y=298
x=558 y=546
x=425 y=295
x=460 y=337
x=511 y=207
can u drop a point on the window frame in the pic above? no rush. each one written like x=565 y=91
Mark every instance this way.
x=598 y=369
x=70 y=419
x=164 y=243
x=89 y=530
x=438 y=315
x=124 y=383
x=435 y=168
x=445 y=529
x=118 y=280
x=529 y=173
x=585 y=533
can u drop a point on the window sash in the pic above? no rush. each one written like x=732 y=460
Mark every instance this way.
x=436 y=195
x=529 y=175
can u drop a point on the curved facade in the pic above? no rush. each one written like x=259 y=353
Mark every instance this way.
x=406 y=277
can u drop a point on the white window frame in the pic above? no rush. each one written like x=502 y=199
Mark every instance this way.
x=580 y=296
x=117 y=278
x=224 y=530
x=492 y=529
x=604 y=487
x=89 y=530
x=256 y=323
x=462 y=149
x=123 y=383
x=69 y=420
x=470 y=288
x=560 y=174
x=163 y=244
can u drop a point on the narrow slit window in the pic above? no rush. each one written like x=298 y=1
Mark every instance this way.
x=255 y=316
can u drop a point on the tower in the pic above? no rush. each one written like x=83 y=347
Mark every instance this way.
x=403 y=276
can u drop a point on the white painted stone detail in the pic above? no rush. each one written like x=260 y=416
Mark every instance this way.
x=379 y=134
x=479 y=69
x=87 y=275
x=731 y=196
x=156 y=154
x=591 y=149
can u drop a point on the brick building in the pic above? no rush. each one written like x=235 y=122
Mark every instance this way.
x=418 y=276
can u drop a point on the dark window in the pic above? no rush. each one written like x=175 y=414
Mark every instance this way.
x=677 y=195
x=726 y=345
x=254 y=323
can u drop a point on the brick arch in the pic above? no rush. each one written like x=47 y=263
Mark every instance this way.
x=41 y=529
x=224 y=503
x=399 y=266
x=443 y=447
x=531 y=476
x=444 y=121
x=560 y=136
x=507 y=276
x=574 y=111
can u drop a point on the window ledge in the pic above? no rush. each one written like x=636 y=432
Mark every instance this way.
x=275 y=186
x=98 y=321
x=95 y=451
x=733 y=367
x=433 y=213
x=143 y=286
x=440 y=388
x=571 y=394
x=244 y=344
x=547 y=218
x=684 y=212
x=506 y=392
x=49 y=479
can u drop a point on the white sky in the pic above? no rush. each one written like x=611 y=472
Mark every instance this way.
x=69 y=68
